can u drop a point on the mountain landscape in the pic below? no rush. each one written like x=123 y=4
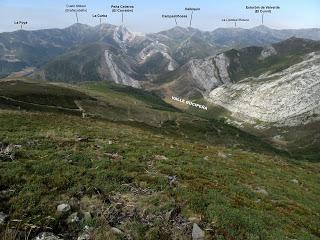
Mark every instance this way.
x=92 y=145
x=109 y=51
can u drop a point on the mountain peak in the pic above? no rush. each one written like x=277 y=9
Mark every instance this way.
x=297 y=40
x=261 y=28
x=79 y=26
x=178 y=32
x=123 y=34
x=177 y=29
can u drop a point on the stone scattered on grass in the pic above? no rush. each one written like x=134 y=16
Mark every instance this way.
x=74 y=218
x=46 y=236
x=8 y=151
x=64 y=207
x=295 y=181
x=159 y=157
x=262 y=191
x=84 y=236
x=222 y=155
x=172 y=180
x=114 y=156
x=197 y=232
x=82 y=139
x=116 y=231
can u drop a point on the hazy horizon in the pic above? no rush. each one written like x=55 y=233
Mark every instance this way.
x=207 y=30
x=147 y=16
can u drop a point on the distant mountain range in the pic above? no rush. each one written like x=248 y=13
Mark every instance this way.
x=107 y=52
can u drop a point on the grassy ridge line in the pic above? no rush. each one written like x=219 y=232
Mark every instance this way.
x=145 y=97
x=39 y=92
x=40 y=107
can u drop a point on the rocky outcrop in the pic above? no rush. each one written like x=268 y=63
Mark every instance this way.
x=267 y=52
x=117 y=75
x=288 y=97
x=203 y=75
x=154 y=48
x=122 y=35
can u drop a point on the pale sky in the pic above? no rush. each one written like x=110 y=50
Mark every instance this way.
x=147 y=14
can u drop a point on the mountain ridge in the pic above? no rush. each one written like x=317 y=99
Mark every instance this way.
x=184 y=62
x=54 y=42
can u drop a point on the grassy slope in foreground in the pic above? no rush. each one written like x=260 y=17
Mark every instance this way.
x=215 y=183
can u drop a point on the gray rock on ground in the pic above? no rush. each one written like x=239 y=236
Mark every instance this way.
x=8 y=152
x=116 y=231
x=262 y=191
x=64 y=207
x=197 y=232
x=84 y=236
x=46 y=236
x=222 y=155
x=172 y=180
x=160 y=157
x=74 y=218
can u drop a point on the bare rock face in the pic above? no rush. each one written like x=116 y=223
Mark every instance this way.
x=289 y=97
x=267 y=52
x=154 y=48
x=211 y=72
x=122 y=35
x=117 y=74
